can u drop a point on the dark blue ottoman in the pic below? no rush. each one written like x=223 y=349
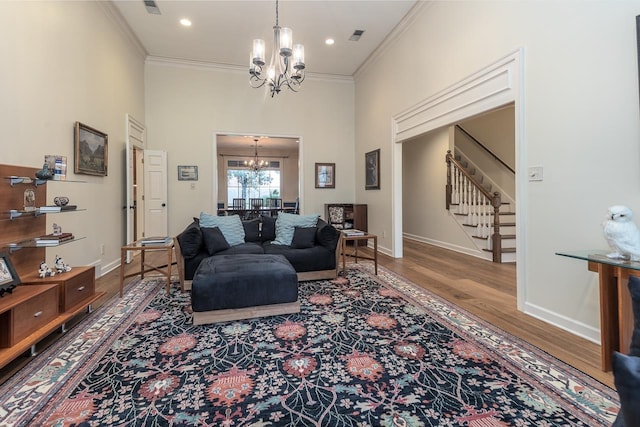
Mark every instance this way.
x=232 y=287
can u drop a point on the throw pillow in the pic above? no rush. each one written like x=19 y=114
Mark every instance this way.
x=251 y=230
x=286 y=223
x=190 y=240
x=327 y=235
x=303 y=237
x=231 y=227
x=214 y=240
x=634 y=290
x=268 y=228
x=626 y=376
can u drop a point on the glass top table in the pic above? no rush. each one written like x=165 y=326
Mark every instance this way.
x=600 y=256
x=616 y=314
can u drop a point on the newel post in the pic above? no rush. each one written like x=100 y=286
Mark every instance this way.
x=495 y=238
x=448 y=189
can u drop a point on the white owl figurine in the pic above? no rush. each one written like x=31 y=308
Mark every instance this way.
x=622 y=234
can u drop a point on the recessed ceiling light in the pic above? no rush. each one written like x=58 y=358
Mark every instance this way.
x=185 y=22
x=329 y=42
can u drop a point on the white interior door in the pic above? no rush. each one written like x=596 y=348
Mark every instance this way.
x=155 y=193
x=135 y=141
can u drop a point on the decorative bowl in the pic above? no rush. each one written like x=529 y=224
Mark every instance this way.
x=61 y=200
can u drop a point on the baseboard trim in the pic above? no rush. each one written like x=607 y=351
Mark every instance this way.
x=563 y=322
x=445 y=245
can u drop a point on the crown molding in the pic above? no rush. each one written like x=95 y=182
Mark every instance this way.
x=398 y=30
x=114 y=14
x=205 y=65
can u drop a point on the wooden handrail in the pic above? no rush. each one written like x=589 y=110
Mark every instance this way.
x=491 y=153
x=495 y=199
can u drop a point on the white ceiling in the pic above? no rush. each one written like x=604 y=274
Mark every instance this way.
x=222 y=31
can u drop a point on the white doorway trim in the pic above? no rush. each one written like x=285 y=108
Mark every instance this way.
x=496 y=85
x=215 y=183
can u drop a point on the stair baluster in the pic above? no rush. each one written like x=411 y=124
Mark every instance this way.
x=481 y=207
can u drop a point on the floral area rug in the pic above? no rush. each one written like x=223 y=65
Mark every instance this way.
x=364 y=351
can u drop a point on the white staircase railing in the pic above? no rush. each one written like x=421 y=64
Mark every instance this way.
x=481 y=207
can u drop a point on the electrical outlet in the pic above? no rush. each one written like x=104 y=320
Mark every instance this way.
x=193 y=185
x=101 y=248
x=384 y=234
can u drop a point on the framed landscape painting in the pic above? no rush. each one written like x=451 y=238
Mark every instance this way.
x=372 y=170
x=90 y=150
x=325 y=175
x=9 y=279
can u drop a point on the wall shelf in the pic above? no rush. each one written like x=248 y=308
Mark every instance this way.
x=37 y=307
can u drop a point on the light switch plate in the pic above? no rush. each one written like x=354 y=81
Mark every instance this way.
x=535 y=173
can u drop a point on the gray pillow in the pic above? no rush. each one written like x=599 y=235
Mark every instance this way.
x=214 y=240
x=286 y=223
x=230 y=226
x=303 y=237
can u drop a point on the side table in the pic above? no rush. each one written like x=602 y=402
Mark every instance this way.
x=144 y=267
x=344 y=238
x=616 y=313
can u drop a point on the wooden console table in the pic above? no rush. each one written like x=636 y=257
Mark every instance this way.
x=616 y=314
x=144 y=267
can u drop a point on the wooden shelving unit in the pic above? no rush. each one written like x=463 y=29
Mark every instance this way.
x=38 y=306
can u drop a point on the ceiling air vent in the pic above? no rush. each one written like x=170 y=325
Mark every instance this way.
x=151 y=6
x=356 y=35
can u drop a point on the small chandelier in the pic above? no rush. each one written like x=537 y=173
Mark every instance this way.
x=286 y=67
x=255 y=164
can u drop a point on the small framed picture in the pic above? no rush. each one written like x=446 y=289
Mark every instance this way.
x=187 y=173
x=91 y=150
x=372 y=170
x=325 y=175
x=8 y=277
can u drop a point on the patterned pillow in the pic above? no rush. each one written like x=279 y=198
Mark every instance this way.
x=230 y=226
x=286 y=224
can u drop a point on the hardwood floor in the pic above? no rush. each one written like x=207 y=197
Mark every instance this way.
x=483 y=288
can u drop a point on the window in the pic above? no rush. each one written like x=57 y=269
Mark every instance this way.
x=243 y=183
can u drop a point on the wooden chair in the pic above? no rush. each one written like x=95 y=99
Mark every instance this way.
x=255 y=207
x=274 y=205
x=338 y=219
x=240 y=208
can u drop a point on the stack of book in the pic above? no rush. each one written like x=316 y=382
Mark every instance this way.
x=156 y=240
x=353 y=232
x=53 y=240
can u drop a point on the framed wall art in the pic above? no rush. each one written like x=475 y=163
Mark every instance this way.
x=372 y=170
x=187 y=173
x=325 y=175
x=8 y=277
x=90 y=150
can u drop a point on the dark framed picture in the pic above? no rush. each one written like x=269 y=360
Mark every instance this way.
x=90 y=150
x=8 y=277
x=372 y=170
x=325 y=175
x=187 y=173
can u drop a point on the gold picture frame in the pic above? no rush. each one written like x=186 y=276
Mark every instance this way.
x=325 y=175
x=91 y=150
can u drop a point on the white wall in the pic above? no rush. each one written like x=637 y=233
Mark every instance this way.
x=187 y=105
x=424 y=173
x=580 y=120
x=64 y=62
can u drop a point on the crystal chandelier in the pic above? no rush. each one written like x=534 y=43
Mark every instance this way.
x=256 y=164
x=287 y=64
